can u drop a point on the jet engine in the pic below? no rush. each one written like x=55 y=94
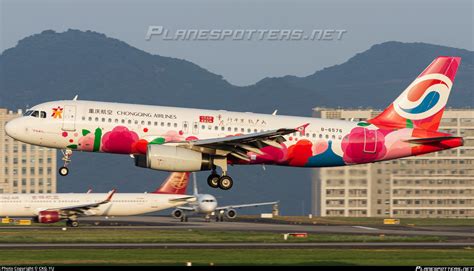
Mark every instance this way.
x=171 y=158
x=177 y=213
x=231 y=213
x=48 y=217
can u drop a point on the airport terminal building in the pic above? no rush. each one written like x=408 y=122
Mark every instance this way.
x=24 y=168
x=434 y=185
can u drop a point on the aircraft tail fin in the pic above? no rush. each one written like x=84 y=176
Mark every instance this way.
x=195 y=188
x=422 y=103
x=176 y=183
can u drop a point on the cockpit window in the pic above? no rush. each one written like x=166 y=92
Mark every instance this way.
x=27 y=113
x=36 y=114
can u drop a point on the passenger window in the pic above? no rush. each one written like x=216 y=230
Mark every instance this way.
x=90 y=118
x=103 y=119
x=175 y=125
x=169 y=124
x=129 y=121
x=143 y=122
x=96 y=119
x=136 y=121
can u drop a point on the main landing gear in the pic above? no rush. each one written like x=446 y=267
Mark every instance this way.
x=72 y=223
x=223 y=181
x=64 y=170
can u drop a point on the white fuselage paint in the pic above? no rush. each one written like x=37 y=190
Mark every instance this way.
x=120 y=204
x=158 y=120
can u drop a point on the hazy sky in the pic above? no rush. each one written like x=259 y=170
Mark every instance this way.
x=245 y=62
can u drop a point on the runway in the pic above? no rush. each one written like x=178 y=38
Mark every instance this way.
x=241 y=245
x=168 y=223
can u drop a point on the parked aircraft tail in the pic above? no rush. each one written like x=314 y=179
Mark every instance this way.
x=422 y=103
x=176 y=183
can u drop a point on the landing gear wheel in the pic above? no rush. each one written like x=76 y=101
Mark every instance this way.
x=63 y=171
x=225 y=182
x=213 y=180
x=72 y=223
x=67 y=153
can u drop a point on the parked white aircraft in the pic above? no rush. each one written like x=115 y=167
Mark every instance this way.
x=184 y=139
x=206 y=205
x=51 y=208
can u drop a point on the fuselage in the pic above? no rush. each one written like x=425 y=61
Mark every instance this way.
x=120 y=205
x=204 y=204
x=128 y=129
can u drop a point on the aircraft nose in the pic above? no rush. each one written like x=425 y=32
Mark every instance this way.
x=11 y=128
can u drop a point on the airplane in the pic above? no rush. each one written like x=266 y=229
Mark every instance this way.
x=52 y=208
x=189 y=140
x=206 y=205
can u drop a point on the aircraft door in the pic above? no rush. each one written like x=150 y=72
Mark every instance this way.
x=370 y=141
x=69 y=118
x=196 y=128
x=185 y=127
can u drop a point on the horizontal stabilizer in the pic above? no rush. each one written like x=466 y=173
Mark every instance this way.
x=430 y=140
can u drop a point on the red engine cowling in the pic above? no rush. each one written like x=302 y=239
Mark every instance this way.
x=48 y=217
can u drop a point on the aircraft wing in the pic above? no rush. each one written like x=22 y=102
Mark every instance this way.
x=239 y=145
x=80 y=209
x=184 y=199
x=245 y=205
x=186 y=208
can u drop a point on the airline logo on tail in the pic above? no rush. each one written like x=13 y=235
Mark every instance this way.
x=176 y=183
x=422 y=103
x=426 y=96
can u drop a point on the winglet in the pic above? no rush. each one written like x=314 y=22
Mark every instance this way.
x=302 y=128
x=109 y=195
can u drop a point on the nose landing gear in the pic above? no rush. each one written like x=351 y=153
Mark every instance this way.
x=64 y=170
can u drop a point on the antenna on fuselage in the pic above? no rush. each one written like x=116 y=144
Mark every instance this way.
x=75 y=97
x=275 y=112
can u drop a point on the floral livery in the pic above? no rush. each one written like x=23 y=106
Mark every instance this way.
x=364 y=143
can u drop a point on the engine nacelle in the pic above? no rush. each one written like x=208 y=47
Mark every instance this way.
x=177 y=213
x=48 y=217
x=231 y=213
x=171 y=158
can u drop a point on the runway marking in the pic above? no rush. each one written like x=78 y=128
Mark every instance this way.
x=349 y=245
x=365 y=228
